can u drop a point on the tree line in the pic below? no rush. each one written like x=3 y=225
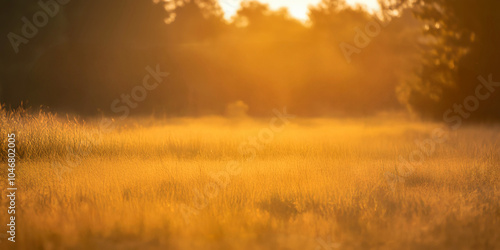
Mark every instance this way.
x=422 y=56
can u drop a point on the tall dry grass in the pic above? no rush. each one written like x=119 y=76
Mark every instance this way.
x=320 y=183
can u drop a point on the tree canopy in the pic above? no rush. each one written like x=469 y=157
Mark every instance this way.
x=460 y=48
x=91 y=52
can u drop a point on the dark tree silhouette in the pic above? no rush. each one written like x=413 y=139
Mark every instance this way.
x=462 y=44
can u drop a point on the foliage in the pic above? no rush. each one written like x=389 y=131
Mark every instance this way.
x=461 y=45
x=92 y=52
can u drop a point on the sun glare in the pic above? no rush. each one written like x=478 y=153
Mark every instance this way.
x=297 y=8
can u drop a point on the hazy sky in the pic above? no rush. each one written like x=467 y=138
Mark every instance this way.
x=297 y=8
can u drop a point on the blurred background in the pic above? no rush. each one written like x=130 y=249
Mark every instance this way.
x=328 y=60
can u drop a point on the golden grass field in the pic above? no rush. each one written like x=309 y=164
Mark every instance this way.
x=318 y=184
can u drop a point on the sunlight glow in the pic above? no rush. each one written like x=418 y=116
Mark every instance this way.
x=297 y=8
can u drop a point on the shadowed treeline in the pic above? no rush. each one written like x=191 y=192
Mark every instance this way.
x=90 y=53
x=460 y=71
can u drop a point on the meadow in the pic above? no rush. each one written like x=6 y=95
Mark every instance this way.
x=217 y=183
